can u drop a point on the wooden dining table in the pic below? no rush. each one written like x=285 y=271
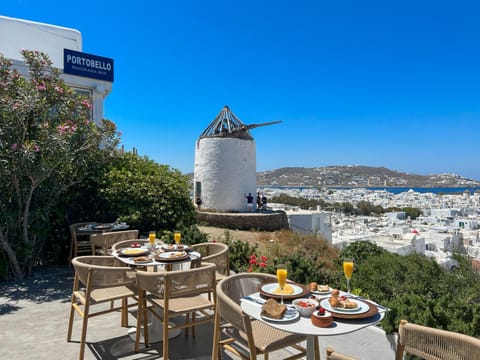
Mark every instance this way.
x=252 y=306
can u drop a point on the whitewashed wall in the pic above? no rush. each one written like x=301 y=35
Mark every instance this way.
x=18 y=34
x=226 y=168
x=311 y=223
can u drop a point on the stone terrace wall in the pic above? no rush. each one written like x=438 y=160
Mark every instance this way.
x=268 y=221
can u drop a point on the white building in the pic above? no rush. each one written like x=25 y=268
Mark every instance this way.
x=88 y=74
x=311 y=222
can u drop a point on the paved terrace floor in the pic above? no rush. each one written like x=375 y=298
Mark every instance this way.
x=34 y=320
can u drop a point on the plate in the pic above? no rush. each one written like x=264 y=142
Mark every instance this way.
x=360 y=309
x=173 y=247
x=290 y=314
x=146 y=261
x=321 y=292
x=134 y=251
x=102 y=227
x=172 y=256
x=298 y=291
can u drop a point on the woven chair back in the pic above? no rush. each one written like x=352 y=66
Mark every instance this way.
x=102 y=271
x=217 y=253
x=435 y=344
x=231 y=289
x=176 y=283
x=107 y=239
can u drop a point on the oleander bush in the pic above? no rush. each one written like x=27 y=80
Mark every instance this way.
x=46 y=142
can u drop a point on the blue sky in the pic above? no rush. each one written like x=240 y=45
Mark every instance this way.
x=375 y=83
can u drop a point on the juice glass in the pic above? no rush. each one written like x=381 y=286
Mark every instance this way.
x=177 y=236
x=151 y=238
x=348 y=271
x=281 y=278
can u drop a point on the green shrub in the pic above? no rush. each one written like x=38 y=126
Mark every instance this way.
x=147 y=195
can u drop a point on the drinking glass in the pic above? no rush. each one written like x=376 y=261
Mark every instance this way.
x=348 y=271
x=151 y=238
x=282 y=279
x=177 y=236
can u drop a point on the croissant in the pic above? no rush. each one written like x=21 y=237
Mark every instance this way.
x=334 y=302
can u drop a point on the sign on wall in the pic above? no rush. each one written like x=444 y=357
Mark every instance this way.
x=88 y=65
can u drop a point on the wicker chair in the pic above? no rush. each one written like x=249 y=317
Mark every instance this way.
x=102 y=242
x=98 y=280
x=333 y=355
x=435 y=344
x=79 y=242
x=180 y=292
x=216 y=253
x=247 y=337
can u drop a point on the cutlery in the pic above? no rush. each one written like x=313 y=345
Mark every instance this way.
x=255 y=300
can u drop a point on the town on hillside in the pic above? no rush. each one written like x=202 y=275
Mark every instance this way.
x=448 y=222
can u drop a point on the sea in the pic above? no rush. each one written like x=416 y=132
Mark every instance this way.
x=394 y=190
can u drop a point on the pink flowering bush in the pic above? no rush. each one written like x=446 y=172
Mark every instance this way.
x=46 y=143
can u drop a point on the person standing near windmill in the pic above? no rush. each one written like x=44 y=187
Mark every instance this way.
x=249 y=198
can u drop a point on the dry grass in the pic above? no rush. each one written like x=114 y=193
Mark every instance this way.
x=278 y=243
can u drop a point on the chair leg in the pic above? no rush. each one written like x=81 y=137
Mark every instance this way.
x=124 y=311
x=187 y=320
x=165 y=333
x=72 y=309
x=139 y=322
x=193 y=326
x=217 y=347
x=84 y=330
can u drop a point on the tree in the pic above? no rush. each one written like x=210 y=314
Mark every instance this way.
x=46 y=138
x=147 y=195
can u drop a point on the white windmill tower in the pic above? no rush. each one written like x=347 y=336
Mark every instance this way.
x=225 y=163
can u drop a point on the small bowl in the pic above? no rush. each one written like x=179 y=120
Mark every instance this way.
x=305 y=307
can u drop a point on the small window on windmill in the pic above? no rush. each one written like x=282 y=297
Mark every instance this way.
x=198 y=188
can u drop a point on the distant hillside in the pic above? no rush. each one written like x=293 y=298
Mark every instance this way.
x=361 y=176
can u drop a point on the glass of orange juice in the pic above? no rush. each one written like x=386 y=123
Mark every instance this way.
x=177 y=236
x=282 y=278
x=348 y=271
x=151 y=238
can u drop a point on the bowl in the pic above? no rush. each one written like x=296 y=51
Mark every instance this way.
x=305 y=307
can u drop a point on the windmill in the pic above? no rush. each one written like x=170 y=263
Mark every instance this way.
x=225 y=163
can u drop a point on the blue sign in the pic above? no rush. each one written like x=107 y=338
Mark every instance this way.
x=83 y=64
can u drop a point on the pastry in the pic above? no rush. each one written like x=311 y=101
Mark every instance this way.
x=323 y=288
x=141 y=259
x=334 y=302
x=321 y=318
x=273 y=309
x=347 y=304
x=313 y=286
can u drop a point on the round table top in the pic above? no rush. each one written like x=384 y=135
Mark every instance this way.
x=303 y=325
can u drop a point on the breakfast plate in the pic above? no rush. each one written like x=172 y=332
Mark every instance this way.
x=142 y=260
x=318 y=292
x=290 y=314
x=172 y=256
x=102 y=226
x=134 y=251
x=360 y=309
x=270 y=290
x=174 y=247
